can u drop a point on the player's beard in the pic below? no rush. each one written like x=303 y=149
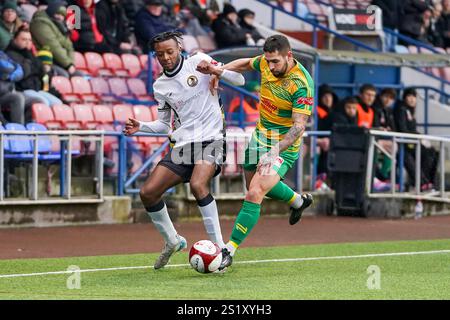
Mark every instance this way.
x=281 y=73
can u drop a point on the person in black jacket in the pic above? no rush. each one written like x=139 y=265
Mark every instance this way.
x=405 y=121
x=383 y=107
x=412 y=23
x=443 y=24
x=327 y=102
x=391 y=12
x=150 y=21
x=31 y=84
x=246 y=20
x=228 y=32
x=113 y=24
x=346 y=113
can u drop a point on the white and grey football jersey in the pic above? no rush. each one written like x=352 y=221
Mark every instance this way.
x=197 y=114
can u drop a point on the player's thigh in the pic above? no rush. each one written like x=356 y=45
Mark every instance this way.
x=264 y=182
x=203 y=172
x=160 y=180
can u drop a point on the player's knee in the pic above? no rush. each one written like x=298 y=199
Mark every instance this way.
x=255 y=194
x=199 y=189
x=149 y=196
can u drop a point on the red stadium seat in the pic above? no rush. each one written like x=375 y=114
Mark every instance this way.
x=82 y=87
x=43 y=114
x=122 y=112
x=137 y=88
x=96 y=65
x=83 y=114
x=119 y=87
x=101 y=87
x=143 y=59
x=80 y=62
x=64 y=114
x=132 y=64
x=64 y=86
x=143 y=113
x=103 y=114
x=114 y=63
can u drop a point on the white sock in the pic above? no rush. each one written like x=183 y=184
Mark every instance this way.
x=298 y=201
x=211 y=220
x=164 y=225
x=231 y=247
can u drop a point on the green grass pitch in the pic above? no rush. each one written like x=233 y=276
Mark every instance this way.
x=422 y=276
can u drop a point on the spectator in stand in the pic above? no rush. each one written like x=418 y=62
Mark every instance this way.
x=384 y=120
x=434 y=35
x=346 y=113
x=151 y=21
x=205 y=12
x=366 y=98
x=31 y=84
x=114 y=26
x=131 y=8
x=443 y=24
x=9 y=23
x=383 y=106
x=411 y=23
x=246 y=21
x=190 y=24
x=10 y=100
x=49 y=29
x=228 y=32
x=327 y=102
x=87 y=37
x=391 y=10
x=405 y=121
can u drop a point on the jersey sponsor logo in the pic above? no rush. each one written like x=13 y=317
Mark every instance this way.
x=308 y=101
x=192 y=81
x=266 y=104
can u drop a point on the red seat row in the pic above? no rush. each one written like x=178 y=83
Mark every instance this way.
x=100 y=90
x=111 y=64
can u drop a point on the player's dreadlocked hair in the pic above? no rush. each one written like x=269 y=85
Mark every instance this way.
x=164 y=36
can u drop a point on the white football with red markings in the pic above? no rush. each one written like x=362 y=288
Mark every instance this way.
x=205 y=256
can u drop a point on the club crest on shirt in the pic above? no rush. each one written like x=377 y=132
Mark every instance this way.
x=285 y=84
x=192 y=81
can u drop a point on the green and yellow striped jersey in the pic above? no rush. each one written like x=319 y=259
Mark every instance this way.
x=279 y=98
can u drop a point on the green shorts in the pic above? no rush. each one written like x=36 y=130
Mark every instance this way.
x=254 y=151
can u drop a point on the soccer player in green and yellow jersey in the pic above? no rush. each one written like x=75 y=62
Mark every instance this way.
x=287 y=97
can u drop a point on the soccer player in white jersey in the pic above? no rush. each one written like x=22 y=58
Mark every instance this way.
x=197 y=135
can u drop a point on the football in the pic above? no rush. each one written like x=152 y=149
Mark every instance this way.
x=205 y=256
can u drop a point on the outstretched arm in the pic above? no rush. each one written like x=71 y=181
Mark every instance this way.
x=161 y=125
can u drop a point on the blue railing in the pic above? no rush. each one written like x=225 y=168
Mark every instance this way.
x=411 y=41
x=356 y=43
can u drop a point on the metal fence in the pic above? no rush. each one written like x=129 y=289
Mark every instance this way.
x=63 y=157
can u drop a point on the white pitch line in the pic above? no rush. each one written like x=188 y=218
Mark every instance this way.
x=373 y=255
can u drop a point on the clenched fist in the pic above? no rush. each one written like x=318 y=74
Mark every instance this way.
x=131 y=127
